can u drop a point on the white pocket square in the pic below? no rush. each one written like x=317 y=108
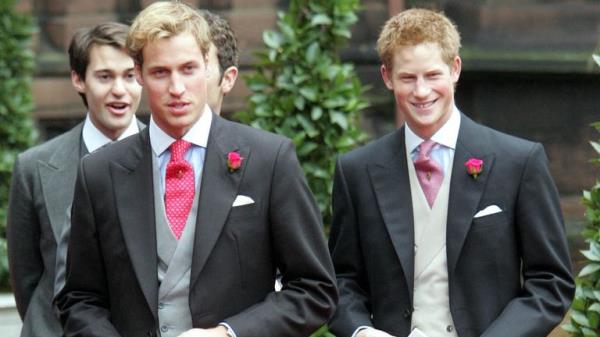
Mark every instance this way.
x=417 y=333
x=493 y=209
x=242 y=200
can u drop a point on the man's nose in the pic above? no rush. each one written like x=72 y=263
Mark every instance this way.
x=422 y=88
x=118 y=88
x=176 y=87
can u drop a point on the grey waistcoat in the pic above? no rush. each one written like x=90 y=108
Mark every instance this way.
x=174 y=266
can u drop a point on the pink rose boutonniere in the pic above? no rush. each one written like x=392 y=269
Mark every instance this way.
x=474 y=167
x=234 y=161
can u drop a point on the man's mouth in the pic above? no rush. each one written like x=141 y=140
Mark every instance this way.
x=118 y=108
x=424 y=105
x=178 y=107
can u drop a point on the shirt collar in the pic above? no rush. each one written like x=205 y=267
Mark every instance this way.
x=95 y=139
x=197 y=134
x=446 y=135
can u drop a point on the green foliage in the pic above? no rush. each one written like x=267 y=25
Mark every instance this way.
x=303 y=91
x=585 y=310
x=323 y=332
x=16 y=103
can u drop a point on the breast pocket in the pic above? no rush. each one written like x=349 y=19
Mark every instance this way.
x=490 y=222
x=249 y=211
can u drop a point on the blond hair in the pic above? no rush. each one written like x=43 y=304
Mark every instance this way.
x=165 y=19
x=416 y=26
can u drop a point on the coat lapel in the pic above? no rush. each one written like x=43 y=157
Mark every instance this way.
x=133 y=185
x=465 y=191
x=57 y=177
x=218 y=190
x=392 y=190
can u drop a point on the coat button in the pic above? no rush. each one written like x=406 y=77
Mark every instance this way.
x=449 y=328
x=407 y=313
x=164 y=328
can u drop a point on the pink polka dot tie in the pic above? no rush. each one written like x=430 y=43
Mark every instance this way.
x=429 y=172
x=179 y=194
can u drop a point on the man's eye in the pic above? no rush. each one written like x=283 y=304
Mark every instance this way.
x=189 y=69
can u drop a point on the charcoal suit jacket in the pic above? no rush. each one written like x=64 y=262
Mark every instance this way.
x=112 y=285
x=43 y=179
x=42 y=185
x=509 y=272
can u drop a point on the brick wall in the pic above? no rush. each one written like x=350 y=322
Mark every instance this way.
x=524 y=89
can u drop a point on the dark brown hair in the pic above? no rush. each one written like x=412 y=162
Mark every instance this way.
x=109 y=33
x=223 y=38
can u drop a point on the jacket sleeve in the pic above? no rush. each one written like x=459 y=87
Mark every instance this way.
x=354 y=306
x=83 y=301
x=547 y=286
x=23 y=237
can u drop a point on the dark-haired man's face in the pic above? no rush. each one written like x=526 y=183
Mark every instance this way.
x=112 y=93
x=218 y=85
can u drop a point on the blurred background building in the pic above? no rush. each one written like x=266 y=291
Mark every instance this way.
x=527 y=69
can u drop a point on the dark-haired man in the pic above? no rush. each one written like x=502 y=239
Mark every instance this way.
x=223 y=58
x=44 y=176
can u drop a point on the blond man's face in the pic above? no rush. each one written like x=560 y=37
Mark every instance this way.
x=423 y=86
x=175 y=76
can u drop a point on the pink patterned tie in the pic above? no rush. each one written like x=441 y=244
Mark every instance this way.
x=179 y=194
x=429 y=172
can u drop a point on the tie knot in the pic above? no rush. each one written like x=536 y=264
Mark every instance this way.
x=178 y=149
x=425 y=148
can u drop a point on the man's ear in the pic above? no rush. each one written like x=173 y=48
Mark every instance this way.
x=228 y=81
x=386 y=75
x=455 y=69
x=78 y=82
x=137 y=69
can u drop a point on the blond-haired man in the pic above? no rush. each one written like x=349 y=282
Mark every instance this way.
x=444 y=227
x=179 y=231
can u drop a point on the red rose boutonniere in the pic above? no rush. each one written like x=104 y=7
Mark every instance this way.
x=234 y=161
x=474 y=167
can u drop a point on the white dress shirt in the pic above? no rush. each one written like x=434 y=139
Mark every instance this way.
x=445 y=137
x=95 y=139
x=197 y=135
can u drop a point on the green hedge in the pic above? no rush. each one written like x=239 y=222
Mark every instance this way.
x=303 y=91
x=585 y=310
x=16 y=103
